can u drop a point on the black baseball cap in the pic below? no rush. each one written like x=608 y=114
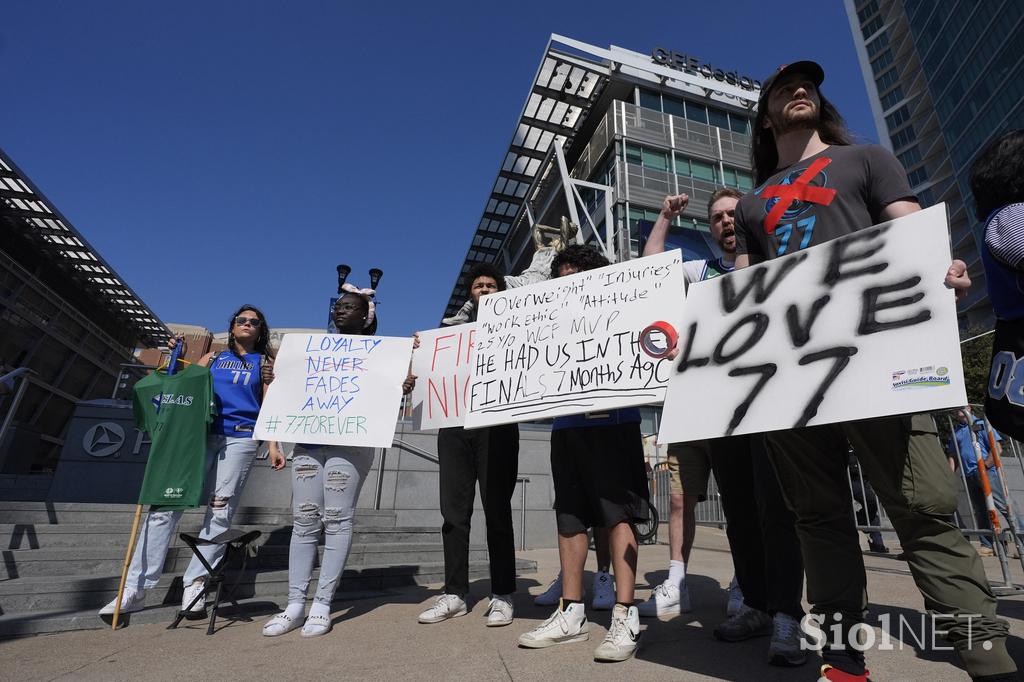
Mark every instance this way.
x=806 y=67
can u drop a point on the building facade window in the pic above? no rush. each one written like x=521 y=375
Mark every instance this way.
x=884 y=60
x=898 y=117
x=890 y=100
x=911 y=157
x=879 y=43
x=917 y=176
x=903 y=137
x=871 y=27
x=674 y=106
x=886 y=80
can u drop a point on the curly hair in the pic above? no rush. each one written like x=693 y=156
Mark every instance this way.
x=485 y=270
x=997 y=176
x=581 y=256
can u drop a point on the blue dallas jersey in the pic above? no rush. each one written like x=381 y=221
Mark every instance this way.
x=237 y=391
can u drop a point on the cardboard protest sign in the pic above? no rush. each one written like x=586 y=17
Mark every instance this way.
x=443 y=365
x=573 y=344
x=858 y=327
x=335 y=389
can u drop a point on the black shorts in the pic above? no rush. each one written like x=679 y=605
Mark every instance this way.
x=600 y=477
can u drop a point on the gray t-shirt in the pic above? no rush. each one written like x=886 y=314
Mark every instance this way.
x=833 y=193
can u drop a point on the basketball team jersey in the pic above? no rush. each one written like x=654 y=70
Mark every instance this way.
x=176 y=411
x=700 y=270
x=237 y=388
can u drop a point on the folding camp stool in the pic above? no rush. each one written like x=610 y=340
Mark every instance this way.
x=236 y=543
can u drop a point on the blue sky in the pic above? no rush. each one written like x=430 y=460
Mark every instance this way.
x=224 y=152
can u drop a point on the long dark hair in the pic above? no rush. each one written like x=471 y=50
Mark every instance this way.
x=262 y=341
x=764 y=156
x=997 y=176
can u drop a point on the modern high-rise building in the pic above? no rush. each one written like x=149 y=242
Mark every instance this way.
x=603 y=136
x=944 y=78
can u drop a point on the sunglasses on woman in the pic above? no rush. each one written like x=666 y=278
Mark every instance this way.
x=253 y=322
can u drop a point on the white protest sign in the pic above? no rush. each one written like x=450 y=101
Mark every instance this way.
x=858 y=327
x=443 y=365
x=335 y=389
x=572 y=344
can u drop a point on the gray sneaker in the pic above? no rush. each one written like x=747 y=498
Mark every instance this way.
x=746 y=624
x=785 y=647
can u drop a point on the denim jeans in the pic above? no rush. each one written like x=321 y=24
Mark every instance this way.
x=228 y=463
x=325 y=488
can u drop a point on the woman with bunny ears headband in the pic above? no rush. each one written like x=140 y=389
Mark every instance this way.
x=326 y=480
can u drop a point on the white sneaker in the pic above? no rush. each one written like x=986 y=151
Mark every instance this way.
x=550 y=596
x=735 y=603
x=499 y=611
x=786 y=637
x=666 y=600
x=603 y=591
x=131 y=601
x=562 y=627
x=447 y=606
x=191 y=592
x=623 y=635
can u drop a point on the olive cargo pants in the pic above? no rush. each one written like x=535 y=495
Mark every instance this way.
x=902 y=459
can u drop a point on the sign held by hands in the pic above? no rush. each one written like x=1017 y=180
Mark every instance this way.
x=335 y=389
x=861 y=326
x=573 y=344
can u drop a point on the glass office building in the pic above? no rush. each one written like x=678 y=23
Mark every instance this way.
x=65 y=314
x=604 y=135
x=944 y=78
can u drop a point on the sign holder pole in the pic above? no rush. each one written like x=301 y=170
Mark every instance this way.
x=171 y=366
x=127 y=563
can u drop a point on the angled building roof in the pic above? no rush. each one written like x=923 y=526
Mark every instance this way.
x=52 y=234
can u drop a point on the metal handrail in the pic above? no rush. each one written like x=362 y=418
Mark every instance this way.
x=522 y=508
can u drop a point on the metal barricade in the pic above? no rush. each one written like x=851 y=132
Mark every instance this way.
x=709 y=512
x=870 y=516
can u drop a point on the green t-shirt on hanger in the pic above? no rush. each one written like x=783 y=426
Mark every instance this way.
x=176 y=411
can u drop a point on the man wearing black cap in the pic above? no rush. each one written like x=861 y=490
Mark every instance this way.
x=813 y=185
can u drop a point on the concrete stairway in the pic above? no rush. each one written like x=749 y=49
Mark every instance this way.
x=62 y=561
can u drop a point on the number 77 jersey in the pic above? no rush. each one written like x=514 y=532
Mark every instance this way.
x=237 y=392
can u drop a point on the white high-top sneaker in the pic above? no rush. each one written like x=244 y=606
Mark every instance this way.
x=623 y=635
x=562 y=627
x=131 y=601
x=447 y=606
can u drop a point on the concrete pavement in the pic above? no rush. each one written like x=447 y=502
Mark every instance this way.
x=376 y=637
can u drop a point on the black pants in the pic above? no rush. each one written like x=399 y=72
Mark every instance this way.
x=490 y=456
x=761 y=528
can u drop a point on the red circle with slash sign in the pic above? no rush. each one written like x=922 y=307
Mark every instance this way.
x=658 y=339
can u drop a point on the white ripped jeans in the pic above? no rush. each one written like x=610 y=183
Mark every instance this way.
x=228 y=463
x=325 y=488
